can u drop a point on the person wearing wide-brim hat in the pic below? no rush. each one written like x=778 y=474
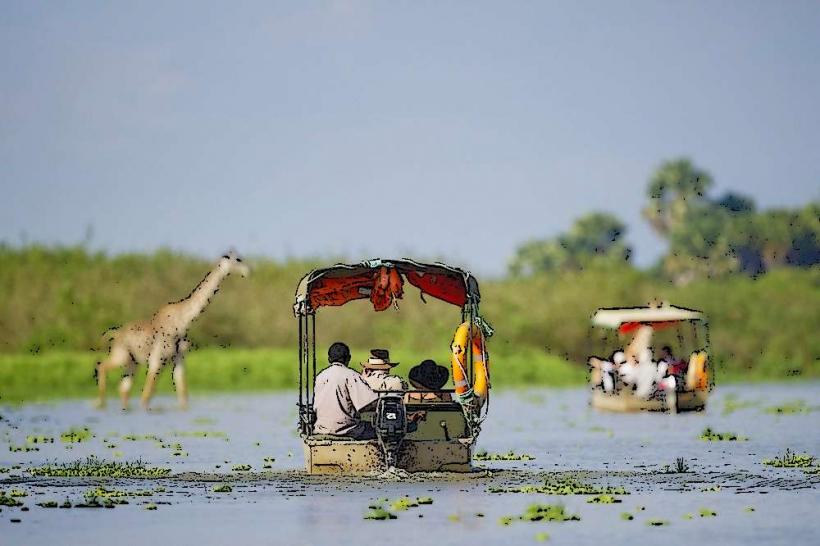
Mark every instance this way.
x=375 y=371
x=428 y=376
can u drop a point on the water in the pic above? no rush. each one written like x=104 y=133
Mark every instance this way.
x=283 y=506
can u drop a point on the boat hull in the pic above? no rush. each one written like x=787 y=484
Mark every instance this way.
x=626 y=402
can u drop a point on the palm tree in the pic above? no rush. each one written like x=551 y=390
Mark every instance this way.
x=677 y=186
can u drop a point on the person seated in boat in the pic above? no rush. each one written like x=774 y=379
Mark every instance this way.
x=675 y=367
x=376 y=372
x=340 y=394
x=603 y=371
x=627 y=369
x=428 y=377
x=646 y=374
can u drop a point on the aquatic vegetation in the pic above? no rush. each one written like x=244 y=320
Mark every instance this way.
x=680 y=467
x=9 y=500
x=99 y=468
x=241 y=467
x=47 y=504
x=548 y=512
x=656 y=522
x=732 y=403
x=749 y=509
x=23 y=448
x=151 y=506
x=454 y=518
x=790 y=459
x=790 y=408
x=379 y=514
x=542 y=537
x=142 y=437
x=224 y=488
x=39 y=439
x=424 y=500
x=403 y=503
x=66 y=503
x=505 y=520
x=688 y=516
x=102 y=492
x=17 y=493
x=603 y=499
x=561 y=485
x=204 y=421
x=707 y=513
x=200 y=434
x=75 y=435
x=710 y=435
x=509 y=456
x=711 y=489
x=626 y=516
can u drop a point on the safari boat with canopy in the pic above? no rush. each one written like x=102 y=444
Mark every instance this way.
x=444 y=439
x=636 y=329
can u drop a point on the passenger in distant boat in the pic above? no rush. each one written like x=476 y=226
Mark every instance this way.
x=674 y=366
x=375 y=372
x=646 y=374
x=428 y=377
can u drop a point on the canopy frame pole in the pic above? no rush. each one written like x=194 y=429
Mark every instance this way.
x=313 y=351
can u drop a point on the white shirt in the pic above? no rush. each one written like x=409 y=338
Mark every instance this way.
x=340 y=394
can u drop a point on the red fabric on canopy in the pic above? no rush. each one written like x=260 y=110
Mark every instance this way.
x=628 y=327
x=449 y=288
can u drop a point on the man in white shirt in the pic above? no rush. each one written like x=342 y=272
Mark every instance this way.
x=340 y=393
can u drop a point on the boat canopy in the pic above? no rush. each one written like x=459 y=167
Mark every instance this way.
x=382 y=282
x=628 y=318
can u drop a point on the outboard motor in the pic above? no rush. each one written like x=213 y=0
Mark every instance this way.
x=390 y=423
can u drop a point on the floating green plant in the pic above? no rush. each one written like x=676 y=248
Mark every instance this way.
x=707 y=513
x=17 y=493
x=542 y=537
x=379 y=514
x=680 y=467
x=403 y=503
x=505 y=520
x=790 y=459
x=656 y=522
x=8 y=500
x=151 y=506
x=47 y=504
x=710 y=435
x=424 y=500
x=39 y=439
x=790 y=408
x=732 y=403
x=561 y=485
x=75 y=435
x=142 y=437
x=711 y=489
x=224 y=488
x=200 y=434
x=688 y=516
x=23 y=448
x=603 y=499
x=626 y=516
x=241 y=467
x=509 y=456
x=99 y=468
x=548 y=512
x=749 y=509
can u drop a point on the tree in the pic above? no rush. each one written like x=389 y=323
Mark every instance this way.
x=675 y=187
x=593 y=240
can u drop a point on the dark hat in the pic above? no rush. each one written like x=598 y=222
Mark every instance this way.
x=429 y=375
x=379 y=360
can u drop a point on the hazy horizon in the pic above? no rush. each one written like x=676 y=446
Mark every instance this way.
x=353 y=128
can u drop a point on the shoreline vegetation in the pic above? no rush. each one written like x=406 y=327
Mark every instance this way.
x=56 y=303
x=68 y=374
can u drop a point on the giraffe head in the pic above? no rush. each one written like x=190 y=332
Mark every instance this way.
x=232 y=263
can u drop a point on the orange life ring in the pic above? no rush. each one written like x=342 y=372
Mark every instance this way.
x=468 y=333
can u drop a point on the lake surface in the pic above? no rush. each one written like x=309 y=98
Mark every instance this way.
x=281 y=505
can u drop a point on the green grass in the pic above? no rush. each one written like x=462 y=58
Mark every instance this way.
x=790 y=459
x=55 y=375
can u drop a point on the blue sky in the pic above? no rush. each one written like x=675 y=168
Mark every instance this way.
x=454 y=130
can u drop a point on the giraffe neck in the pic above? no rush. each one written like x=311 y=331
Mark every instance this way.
x=200 y=297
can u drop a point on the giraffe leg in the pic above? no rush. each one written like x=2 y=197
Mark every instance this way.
x=116 y=358
x=154 y=367
x=180 y=382
x=126 y=383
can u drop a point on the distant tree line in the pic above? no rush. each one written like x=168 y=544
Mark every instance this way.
x=707 y=237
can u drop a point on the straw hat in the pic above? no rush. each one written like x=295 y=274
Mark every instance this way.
x=379 y=360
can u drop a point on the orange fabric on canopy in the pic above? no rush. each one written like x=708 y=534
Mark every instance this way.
x=449 y=288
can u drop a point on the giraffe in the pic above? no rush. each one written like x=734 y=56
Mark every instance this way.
x=162 y=338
